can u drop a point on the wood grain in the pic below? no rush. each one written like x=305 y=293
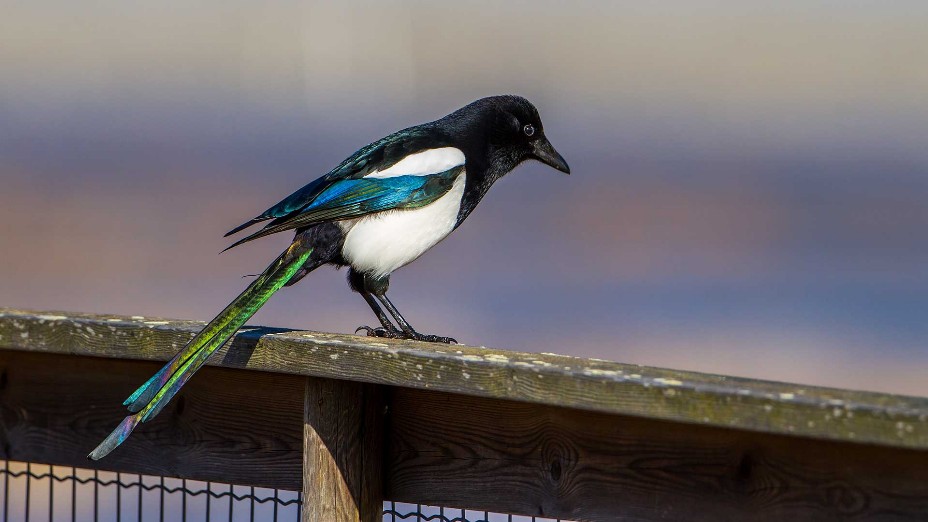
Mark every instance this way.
x=593 y=385
x=247 y=427
x=531 y=459
x=226 y=425
x=342 y=452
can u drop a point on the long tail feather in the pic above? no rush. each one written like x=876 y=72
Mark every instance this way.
x=146 y=402
x=147 y=391
x=116 y=437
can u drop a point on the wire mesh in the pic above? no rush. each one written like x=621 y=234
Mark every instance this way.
x=40 y=492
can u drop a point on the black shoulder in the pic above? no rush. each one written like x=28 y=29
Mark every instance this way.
x=387 y=151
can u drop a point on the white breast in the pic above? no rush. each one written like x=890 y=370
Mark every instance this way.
x=380 y=243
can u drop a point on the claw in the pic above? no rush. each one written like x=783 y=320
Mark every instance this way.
x=390 y=333
x=437 y=339
x=393 y=333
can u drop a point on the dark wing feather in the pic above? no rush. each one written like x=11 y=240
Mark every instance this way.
x=352 y=198
x=379 y=155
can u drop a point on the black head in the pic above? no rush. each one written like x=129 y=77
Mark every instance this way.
x=509 y=130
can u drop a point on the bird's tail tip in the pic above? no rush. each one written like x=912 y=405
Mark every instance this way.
x=115 y=438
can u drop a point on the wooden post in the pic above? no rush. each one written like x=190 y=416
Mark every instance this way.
x=342 y=451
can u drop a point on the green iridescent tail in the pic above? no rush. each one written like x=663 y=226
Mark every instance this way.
x=147 y=401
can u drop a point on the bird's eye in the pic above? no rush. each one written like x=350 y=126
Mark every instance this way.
x=529 y=130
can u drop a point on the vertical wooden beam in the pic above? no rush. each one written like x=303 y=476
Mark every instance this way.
x=342 y=451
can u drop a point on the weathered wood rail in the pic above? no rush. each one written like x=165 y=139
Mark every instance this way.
x=352 y=420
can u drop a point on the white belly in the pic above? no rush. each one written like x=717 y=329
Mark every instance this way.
x=380 y=243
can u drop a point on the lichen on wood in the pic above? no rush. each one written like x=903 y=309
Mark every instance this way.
x=557 y=380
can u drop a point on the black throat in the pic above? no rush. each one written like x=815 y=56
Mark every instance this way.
x=482 y=172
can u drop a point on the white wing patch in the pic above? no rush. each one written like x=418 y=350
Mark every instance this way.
x=380 y=243
x=429 y=161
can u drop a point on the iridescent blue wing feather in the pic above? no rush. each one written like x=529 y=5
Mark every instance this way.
x=352 y=198
x=377 y=156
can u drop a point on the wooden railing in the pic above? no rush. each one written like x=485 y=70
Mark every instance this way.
x=352 y=420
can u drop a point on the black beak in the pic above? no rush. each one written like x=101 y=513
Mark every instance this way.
x=544 y=152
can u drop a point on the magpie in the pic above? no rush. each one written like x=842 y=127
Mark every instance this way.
x=377 y=211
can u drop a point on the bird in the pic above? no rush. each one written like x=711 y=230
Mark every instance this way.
x=375 y=212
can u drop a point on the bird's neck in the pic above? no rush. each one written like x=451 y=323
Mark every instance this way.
x=480 y=177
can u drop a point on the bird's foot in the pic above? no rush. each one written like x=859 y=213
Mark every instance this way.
x=393 y=333
x=389 y=333
x=431 y=338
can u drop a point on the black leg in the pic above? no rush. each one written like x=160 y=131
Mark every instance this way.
x=370 y=288
x=387 y=329
x=400 y=320
x=364 y=285
x=405 y=326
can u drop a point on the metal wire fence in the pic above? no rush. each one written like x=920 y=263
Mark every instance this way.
x=40 y=492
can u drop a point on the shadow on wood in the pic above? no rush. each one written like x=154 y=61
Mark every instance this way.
x=242 y=347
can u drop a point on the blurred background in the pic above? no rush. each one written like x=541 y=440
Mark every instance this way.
x=749 y=192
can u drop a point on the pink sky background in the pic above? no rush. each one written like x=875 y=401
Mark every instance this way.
x=749 y=192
